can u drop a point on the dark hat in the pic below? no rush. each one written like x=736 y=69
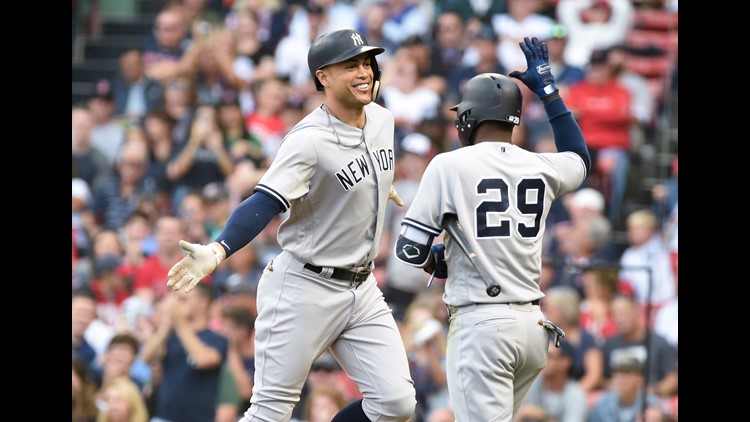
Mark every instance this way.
x=238 y=284
x=313 y=7
x=106 y=264
x=486 y=32
x=102 y=90
x=625 y=361
x=415 y=39
x=598 y=56
x=326 y=362
x=215 y=192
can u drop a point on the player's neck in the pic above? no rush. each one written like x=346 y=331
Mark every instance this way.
x=351 y=116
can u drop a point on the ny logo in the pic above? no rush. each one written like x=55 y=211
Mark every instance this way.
x=357 y=39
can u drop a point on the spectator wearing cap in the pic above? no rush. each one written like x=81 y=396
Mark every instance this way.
x=593 y=25
x=603 y=108
x=430 y=68
x=635 y=338
x=474 y=13
x=108 y=134
x=480 y=57
x=401 y=284
x=134 y=94
x=326 y=372
x=624 y=399
x=554 y=396
x=216 y=199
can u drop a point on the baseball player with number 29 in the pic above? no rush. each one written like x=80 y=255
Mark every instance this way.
x=501 y=195
x=333 y=172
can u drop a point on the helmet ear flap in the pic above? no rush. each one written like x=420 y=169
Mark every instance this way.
x=465 y=126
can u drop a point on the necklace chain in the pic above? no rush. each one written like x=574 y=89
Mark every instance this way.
x=328 y=111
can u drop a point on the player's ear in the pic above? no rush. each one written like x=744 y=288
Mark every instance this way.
x=322 y=76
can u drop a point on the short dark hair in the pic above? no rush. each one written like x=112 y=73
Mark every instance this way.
x=126 y=339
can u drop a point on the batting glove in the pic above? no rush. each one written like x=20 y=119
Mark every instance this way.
x=200 y=261
x=537 y=76
x=438 y=257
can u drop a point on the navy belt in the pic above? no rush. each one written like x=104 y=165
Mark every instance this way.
x=342 y=274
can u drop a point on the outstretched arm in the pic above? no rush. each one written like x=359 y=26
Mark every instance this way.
x=244 y=224
x=538 y=77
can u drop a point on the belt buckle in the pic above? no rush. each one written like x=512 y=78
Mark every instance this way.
x=361 y=275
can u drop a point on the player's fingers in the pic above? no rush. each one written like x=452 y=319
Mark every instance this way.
x=192 y=285
x=176 y=268
x=184 y=279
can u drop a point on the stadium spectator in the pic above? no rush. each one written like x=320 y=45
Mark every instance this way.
x=323 y=403
x=603 y=108
x=523 y=19
x=483 y=47
x=202 y=160
x=83 y=392
x=593 y=25
x=179 y=103
x=266 y=122
x=403 y=95
x=406 y=18
x=122 y=402
x=134 y=94
x=89 y=163
x=163 y=49
x=372 y=18
x=150 y=280
x=108 y=134
x=239 y=329
x=83 y=307
x=562 y=306
x=114 y=201
x=624 y=398
x=632 y=339
x=242 y=145
x=600 y=285
x=554 y=396
x=158 y=126
x=192 y=356
x=646 y=264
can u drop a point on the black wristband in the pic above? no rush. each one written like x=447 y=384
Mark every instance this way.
x=548 y=99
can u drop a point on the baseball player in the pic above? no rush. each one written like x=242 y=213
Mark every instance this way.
x=333 y=174
x=501 y=194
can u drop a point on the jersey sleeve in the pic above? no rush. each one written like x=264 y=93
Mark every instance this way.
x=289 y=175
x=428 y=206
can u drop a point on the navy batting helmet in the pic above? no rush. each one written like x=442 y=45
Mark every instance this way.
x=487 y=96
x=339 y=45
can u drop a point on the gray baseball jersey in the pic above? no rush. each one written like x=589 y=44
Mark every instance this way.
x=326 y=177
x=334 y=179
x=501 y=194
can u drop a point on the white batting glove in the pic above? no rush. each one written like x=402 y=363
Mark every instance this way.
x=200 y=261
x=395 y=198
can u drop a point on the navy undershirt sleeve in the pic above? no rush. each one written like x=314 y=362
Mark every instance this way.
x=247 y=220
x=567 y=133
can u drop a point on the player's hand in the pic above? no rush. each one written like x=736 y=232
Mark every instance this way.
x=200 y=261
x=538 y=76
x=438 y=257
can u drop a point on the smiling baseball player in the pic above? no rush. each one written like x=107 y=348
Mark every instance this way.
x=498 y=337
x=333 y=174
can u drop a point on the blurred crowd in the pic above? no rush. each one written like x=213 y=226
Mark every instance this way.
x=168 y=147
